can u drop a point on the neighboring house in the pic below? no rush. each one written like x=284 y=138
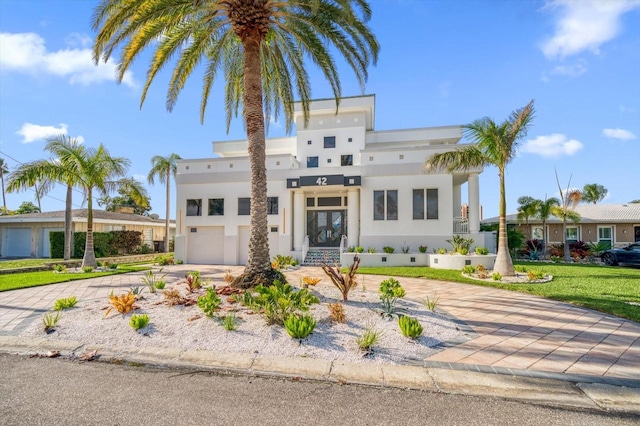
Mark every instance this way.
x=616 y=224
x=27 y=235
x=337 y=183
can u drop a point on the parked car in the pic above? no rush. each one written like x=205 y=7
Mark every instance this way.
x=628 y=255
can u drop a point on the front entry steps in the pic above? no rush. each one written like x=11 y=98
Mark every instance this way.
x=316 y=257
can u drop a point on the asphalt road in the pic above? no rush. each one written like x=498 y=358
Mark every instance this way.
x=62 y=392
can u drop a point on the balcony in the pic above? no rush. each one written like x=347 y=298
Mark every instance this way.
x=460 y=225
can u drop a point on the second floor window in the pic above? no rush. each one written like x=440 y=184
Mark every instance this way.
x=346 y=160
x=312 y=162
x=329 y=141
x=216 y=206
x=194 y=207
x=244 y=206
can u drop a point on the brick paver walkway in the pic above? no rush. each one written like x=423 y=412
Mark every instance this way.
x=509 y=330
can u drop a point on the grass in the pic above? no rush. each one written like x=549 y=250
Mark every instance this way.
x=33 y=279
x=25 y=263
x=604 y=289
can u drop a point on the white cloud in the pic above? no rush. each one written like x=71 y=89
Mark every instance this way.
x=574 y=70
x=621 y=134
x=26 y=52
x=552 y=146
x=33 y=132
x=585 y=25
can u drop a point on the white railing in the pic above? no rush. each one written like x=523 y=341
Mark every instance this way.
x=305 y=248
x=343 y=244
x=460 y=225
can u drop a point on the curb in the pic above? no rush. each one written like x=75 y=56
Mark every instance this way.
x=589 y=395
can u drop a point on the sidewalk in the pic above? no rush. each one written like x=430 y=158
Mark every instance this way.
x=533 y=348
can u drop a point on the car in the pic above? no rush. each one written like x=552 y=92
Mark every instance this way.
x=627 y=255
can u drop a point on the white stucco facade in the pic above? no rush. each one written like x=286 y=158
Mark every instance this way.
x=336 y=177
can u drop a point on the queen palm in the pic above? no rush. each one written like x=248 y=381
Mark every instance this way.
x=164 y=168
x=545 y=209
x=495 y=145
x=89 y=169
x=260 y=45
x=594 y=193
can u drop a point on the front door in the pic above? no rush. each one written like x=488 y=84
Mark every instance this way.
x=326 y=227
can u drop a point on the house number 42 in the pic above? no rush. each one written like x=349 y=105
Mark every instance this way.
x=321 y=181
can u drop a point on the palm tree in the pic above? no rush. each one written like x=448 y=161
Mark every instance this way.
x=3 y=171
x=569 y=199
x=164 y=168
x=495 y=145
x=261 y=46
x=593 y=193
x=528 y=208
x=89 y=169
x=544 y=212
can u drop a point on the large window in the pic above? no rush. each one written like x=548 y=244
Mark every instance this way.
x=312 y=162
x=244 y=206
x=194 y=207
x=216 y=206
x=346 y=160
x=425 y=204
x=385 y=205
x=329 y=141
x=605 y=235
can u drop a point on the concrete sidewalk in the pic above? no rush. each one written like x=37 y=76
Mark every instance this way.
x=520 y=346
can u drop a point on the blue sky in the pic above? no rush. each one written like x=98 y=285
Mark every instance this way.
x=441 y=63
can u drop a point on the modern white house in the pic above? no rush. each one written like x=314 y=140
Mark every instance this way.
x=336 y=183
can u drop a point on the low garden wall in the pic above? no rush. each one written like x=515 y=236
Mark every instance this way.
x=458 y=261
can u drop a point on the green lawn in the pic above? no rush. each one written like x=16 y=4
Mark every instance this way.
x=33 y=279
x=602 y=288
x=24 y=263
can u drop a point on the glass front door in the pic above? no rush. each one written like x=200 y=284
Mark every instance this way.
x=326 y=227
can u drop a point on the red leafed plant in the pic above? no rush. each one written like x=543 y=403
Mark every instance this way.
x=344 y=282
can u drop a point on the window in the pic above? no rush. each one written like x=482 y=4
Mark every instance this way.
x=425 y=201
x=312 y=162
x=244 y=206
x=572 y=234
x=538 y=233
x=605 y=235
x=329 y=201
x=350 y=140
x=329 y=141
x=311 y=202
x=346 y=160
x=216 y=206
x=385 y=205
x=308 y=142
x=194 y=207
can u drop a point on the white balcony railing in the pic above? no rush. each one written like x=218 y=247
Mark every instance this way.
x=460 y=225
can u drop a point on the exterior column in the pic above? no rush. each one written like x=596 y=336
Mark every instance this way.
x=298 y=220
x=353 y=217
x=457 y=201
x=474 y=203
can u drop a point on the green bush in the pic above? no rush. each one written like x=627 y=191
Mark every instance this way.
x=65 y=303
x=59 y=267
x=468 y=269
x=496 y=276
x=368 y=339
x=482 y=250
x=388 y=249
x=390 y=291
x=278 y=301
x=139 y=321
x=299 y=326
x=410 y=327
x=229 y=321
x=423 y=249
x=125 y=242
x=210 y=302
x=359 y=249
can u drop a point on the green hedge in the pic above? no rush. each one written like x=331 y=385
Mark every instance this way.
x=104 y=243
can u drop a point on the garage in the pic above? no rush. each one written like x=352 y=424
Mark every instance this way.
x=243 y=243
x=205 y=245
x=16 y=242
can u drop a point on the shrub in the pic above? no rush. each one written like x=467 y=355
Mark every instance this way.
x=410 y=327
x=194 y=282
x=310 y=281
x=151 y=280
x=87 y=269
x=405 y=249
x=496 y=276
x=299 y=326
x=468 y=269
x=278 y=301
x=336 y=310
x=390 y=291
x=345 y=282
x=160 y=284
x=123 y=303
x=431 y=304
x=441 y=250
x=388 y=249
x=371 y=249
x=520 y=268
x=210 y=302
x=137 y=291
x=164 y=259
x=481 y=268
x=283 y=261
x=458 y=243
x=359 y=249
x=532 y=250
x=423 y=249
x=482 y=251
x=179 y=261
x=113 y=266
x=368 y=339
x=59 y=268
x=125 y=242
x=65 y=303
x=463 y=251
x=229 y=321
x=50 y=321
x=535 y=274
x=139 y=321
x=351 y=249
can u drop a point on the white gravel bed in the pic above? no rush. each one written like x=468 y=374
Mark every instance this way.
x=188 y=328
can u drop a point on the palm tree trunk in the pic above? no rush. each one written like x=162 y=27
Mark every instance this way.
x=4 y=200
x=67 y=223
x=89 y=258
x=545 y=237
x=567 y=252
x=167 y=211
x=504 y=264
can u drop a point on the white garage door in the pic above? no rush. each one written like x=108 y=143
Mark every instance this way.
x=243 y=243
x=16 y=242
x=205 y=245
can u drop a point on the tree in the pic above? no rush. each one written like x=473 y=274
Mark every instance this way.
x=494 y=145
x=126 y=199
x=3 y=171
x=528 y=208
x=261 y=46
x=27 y=207
x=545 y=209
x=164 y=168
x=593 y=193
x=634 y=201
x=569 y=199
x=89 y=169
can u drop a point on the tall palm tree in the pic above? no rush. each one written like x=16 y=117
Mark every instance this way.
x=261 y=46
x=494 y=145
x=544 y=212
x=89 y=169
x=594 y=193
x=3 y=171
x=569 y=199
x=164 y=168
x=528 y=208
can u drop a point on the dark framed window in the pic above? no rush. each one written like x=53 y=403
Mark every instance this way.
x=418 y=203
x=425 y=201
x=312 y=162
x=329 y=201
x=346 y=160
x=432 y=203
x=244 y=206
x=194 y=207
x=329 y=141
x=311 y=202
x=216 y=206
x=272 y=205
x=385 y=205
